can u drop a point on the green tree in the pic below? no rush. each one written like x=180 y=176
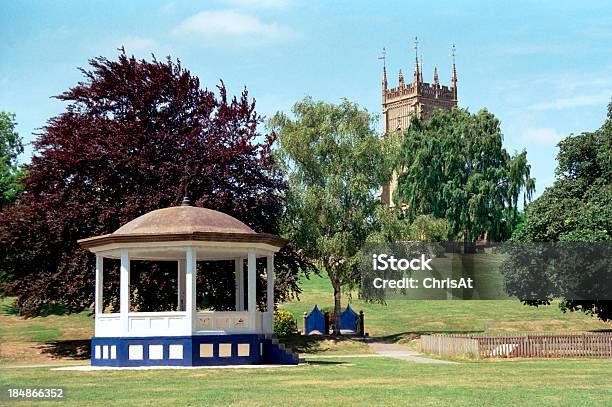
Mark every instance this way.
x=334 y=164
x=426 y=228
x=390 y=226
x=577 y=208
x=10 y=173
x=453 y=166
x=394 y=227
x=10 y=147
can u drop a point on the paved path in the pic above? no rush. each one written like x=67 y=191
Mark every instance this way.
x=392 y=350
x=387 y=350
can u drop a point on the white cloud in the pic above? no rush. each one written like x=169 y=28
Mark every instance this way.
x=214 y=27
x=138 y=44
x=596 y=99
x=542 y=136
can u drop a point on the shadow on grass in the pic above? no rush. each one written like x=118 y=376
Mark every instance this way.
x=53 y=309
x=79 y=349
x=9 y=309
x=311 y=344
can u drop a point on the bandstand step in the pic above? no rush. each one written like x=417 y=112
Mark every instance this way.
x=277 y=353
x=273 y=338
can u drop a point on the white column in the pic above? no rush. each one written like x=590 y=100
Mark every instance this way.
x=251 y=287
x=181 y=286
x=190 y=288
x=241 y=268
x=270 y=281
x=99 y=290
x=239 y=275
x=237 y=284
x=124 y=291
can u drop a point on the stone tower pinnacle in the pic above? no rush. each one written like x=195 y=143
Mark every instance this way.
x=417 y=74
x=383 y=56
x=384 y=78
x=421 y=70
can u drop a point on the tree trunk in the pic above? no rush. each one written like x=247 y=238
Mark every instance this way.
x=337 y=307
x=467 y=239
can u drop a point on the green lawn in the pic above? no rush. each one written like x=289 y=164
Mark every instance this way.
x=62 y=338
x=399 y=319
x=348 y=382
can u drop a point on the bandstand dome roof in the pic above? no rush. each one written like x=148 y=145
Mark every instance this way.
x=183 y=219
x=183 y=223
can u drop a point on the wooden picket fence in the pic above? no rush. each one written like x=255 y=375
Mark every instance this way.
x=528 y=345
x=449 y=345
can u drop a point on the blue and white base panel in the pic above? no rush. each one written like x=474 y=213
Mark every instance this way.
x=196 y=350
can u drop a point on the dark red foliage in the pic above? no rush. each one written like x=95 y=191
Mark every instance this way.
x=120 y=150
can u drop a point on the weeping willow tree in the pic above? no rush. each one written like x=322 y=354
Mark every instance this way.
x=453 y=166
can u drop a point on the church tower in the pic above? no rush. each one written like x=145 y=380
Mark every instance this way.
x=418 y=98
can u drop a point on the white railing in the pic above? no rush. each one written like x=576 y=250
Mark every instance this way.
x=108 y=325
x=172 y=323
x=157 y=323
x=226 y=321
x=142 y=324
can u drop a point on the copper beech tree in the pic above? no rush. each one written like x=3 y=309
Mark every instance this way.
x=119 y=150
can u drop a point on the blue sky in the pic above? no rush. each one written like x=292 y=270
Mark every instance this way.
x=544 y=68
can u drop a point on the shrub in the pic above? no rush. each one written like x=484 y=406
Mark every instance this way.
x=284 y=323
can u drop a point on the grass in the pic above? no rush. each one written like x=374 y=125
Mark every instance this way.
x=360 y=382
x=41 y=339
x=402 y=319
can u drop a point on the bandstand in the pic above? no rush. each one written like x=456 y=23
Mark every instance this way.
x=185 y=336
